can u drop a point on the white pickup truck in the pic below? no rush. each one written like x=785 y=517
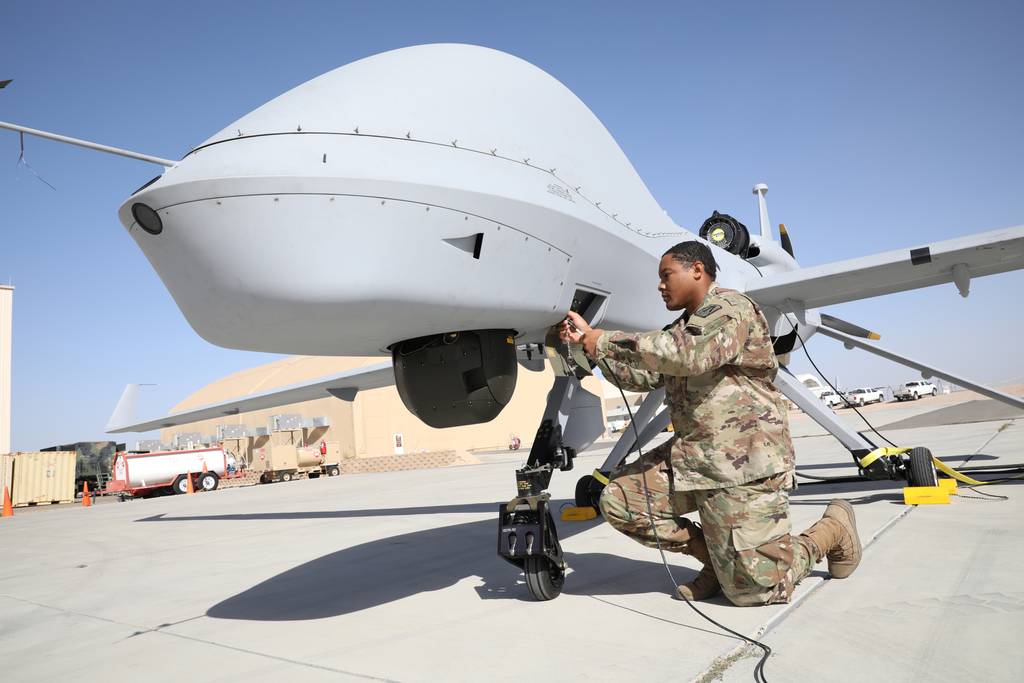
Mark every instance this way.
x=911 y=391
x=860 y=397
x=831 y=398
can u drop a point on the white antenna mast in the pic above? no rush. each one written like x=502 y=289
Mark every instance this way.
x=762 y=210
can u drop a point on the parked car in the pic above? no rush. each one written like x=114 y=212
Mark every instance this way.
x=831 y=398
x=864 y=396
x=911 y=391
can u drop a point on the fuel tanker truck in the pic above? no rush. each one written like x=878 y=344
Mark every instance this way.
x=146 y=474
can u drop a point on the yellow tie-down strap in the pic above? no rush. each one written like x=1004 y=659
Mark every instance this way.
x=939 y=465
x=600 y=477
x=950 y=472
x=878 y=453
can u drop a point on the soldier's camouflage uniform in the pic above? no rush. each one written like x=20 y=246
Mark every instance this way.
x=731 y=458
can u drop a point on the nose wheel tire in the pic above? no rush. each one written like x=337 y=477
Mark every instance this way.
x=544 y=578
x=921 y=468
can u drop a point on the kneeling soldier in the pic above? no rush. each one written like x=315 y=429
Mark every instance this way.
x=731 y=458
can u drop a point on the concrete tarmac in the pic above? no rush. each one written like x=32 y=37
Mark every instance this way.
x=395 y=577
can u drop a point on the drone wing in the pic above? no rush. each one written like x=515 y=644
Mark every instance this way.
x=343 y=385
x=956 y=260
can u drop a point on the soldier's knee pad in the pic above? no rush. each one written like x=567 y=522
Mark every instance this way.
x=752 y=597
x=613 y=503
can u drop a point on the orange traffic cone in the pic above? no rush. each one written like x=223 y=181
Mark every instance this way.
x=188 y=484
x=86 y=498
x=8 y=508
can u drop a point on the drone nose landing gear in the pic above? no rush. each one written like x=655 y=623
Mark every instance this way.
x=527 y=538
x=526 y=529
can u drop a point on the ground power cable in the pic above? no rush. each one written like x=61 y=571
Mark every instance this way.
x=803 y=346
x=759 y=675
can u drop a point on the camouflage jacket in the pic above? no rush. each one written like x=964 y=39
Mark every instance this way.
x=717 y=366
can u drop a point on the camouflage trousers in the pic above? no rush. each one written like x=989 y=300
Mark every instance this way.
x=746 y=527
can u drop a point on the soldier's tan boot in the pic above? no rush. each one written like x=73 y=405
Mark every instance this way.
x=705 y=585
x=835 y=537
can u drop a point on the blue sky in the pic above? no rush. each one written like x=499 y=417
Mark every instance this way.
x=876 y=125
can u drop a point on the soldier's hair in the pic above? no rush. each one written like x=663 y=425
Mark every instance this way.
x=693 y=251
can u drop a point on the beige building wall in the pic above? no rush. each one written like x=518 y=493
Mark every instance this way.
x=366 y=427
x=6 y=344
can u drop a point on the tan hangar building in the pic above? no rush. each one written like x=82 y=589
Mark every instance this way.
x=370 y=425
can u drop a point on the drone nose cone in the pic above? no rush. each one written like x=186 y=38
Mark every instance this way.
x=324 y=274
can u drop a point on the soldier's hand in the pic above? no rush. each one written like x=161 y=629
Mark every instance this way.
x=574 y=329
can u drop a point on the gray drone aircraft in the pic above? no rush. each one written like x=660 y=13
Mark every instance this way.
x=463 y=200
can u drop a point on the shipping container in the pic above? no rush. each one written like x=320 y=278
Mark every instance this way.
x=39 y=478
x=93 y=463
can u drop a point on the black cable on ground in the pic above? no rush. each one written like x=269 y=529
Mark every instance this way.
x=994 y=496
x=829 y=480
x=759 y=675
x=803 y=345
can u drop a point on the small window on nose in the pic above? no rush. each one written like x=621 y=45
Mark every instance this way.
x=147 y=218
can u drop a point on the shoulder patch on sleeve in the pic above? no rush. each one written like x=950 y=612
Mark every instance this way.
x=705 y=311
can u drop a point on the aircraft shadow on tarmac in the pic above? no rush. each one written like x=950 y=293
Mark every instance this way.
x=328 y=514
x=389 y=569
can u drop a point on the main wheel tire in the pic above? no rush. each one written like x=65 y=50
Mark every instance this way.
x=209 y=481
x=333 y=471
x=588 y=492
x=922 y=469
x=287 y=476
x=934 y=392
x=543 y=577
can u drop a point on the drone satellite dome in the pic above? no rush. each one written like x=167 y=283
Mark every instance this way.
x=722 y=230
